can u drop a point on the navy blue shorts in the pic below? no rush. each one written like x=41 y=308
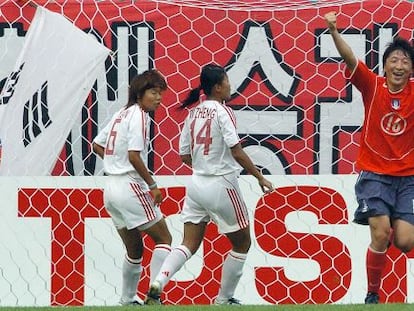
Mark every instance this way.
x=384 y=195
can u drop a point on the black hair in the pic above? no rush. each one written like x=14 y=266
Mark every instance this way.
x=211 y=75
x=140 y=83
x=399 y=44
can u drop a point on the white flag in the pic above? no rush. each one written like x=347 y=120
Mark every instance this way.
x=44 y=95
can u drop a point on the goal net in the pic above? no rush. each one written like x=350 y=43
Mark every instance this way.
x=298 y=118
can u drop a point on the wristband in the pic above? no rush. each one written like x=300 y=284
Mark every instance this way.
x=153 y=186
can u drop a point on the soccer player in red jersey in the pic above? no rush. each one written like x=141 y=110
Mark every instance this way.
x=385 y=186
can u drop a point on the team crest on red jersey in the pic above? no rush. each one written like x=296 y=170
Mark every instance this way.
x=395 y=103
x=393 y=124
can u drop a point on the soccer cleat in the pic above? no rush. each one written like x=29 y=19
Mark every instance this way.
x=371 y=298
x=234 y=301
x=130 y=303
x=230 y=301
x=153 y=295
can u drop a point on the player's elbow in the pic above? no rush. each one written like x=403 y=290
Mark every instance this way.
x=98 y=149
x=186 y=158
x=237 y=152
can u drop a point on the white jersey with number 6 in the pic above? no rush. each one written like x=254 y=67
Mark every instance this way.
x=208 y=134
x=127 y=130
x=125 y=190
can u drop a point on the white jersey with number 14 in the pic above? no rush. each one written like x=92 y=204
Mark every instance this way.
x=208 y=134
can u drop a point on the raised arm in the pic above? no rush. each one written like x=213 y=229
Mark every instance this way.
x=343 y=48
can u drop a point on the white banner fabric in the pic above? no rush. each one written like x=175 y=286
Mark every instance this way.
x=42 y=98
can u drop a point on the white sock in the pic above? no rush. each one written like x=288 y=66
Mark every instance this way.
x=131 y=273
x=230 y=276
x=159 y=254
x=175 y=260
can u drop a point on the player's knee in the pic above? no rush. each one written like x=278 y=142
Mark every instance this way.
x=404 y=245
x=244 y=245
x=162 y=236
x=165 y=237
x=380 y=238
x=248 y=244
x=404 y=248
x=241 y=246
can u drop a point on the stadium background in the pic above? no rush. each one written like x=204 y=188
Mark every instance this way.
x=297 y=118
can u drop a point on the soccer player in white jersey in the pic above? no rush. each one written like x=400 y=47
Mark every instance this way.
x=131 y=195
x=210 y=144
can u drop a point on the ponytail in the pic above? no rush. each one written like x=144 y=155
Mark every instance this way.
x=211 y=75
x=192 y=97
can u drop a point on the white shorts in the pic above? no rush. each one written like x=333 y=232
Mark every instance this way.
x=129 y=203
x=216 y=198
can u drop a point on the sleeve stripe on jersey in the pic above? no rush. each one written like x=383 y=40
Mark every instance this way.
x=144 y=124
x=231 y=114
x=239 y=208
x=146 y=201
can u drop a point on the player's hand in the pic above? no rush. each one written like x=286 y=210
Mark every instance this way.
x=265 y=185
x=331 y=20
x=157 y=195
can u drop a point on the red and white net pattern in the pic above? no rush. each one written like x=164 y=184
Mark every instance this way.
x=296 y=113
x=258 y=5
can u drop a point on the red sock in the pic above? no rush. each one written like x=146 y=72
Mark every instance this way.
x=375 y=263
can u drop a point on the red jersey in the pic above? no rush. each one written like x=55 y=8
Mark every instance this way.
x=387 y=140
